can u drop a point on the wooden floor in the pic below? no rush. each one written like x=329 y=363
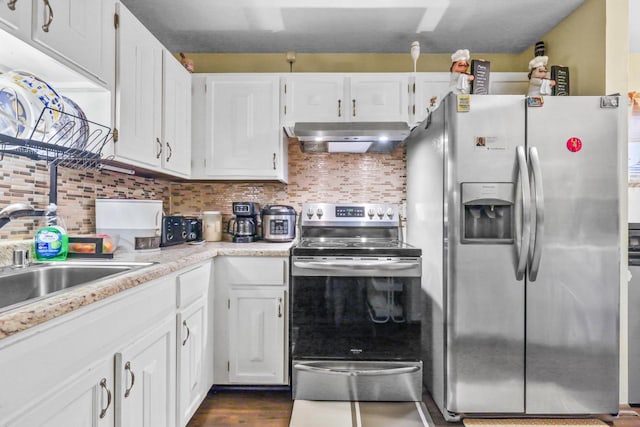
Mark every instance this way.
x=228 y=407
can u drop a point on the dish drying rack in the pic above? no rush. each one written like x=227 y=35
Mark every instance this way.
x=76 y=143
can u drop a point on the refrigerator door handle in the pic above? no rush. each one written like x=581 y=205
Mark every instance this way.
x=536 y=238
x=526 y=213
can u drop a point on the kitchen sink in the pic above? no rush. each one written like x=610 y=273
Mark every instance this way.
x=25 y=285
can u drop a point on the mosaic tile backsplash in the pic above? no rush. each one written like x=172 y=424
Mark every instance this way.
x=375 y=178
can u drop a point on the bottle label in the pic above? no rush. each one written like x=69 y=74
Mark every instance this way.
x=48 y=243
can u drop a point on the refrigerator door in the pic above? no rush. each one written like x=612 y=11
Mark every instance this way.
x=572 y=305
x=484 y=300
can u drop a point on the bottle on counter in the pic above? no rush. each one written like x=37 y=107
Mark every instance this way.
x=212 y=226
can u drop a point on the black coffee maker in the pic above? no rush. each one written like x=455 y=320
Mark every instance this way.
x=244 y=225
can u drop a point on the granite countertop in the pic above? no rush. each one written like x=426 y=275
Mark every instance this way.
x=167 y=261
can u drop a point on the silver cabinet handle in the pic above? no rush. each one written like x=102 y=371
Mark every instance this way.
x=526 y=213
x=339 y=107
x=127 y=367
x=274 y=161
x=354 y=107
x=356 y=265
x=159 y=153
x=357 y=372
x=48 y=16
x=536 y=238
x=169 y=151
x=11 y=4
x=103 y=384
x=279 y=307
x=184 y=323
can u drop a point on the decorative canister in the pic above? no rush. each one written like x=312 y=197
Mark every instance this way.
x=212 y=226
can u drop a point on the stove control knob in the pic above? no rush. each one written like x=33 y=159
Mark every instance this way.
x=380 y=213
x=319 y=213
x=310 y=213
x=371 y=213
x=390 y=213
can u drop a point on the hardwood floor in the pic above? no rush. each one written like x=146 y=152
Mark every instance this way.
x=232 y=407
x=229 y=407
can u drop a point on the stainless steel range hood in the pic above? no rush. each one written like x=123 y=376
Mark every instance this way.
x=349 y=137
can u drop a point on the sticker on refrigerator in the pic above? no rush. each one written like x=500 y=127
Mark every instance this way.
x=463 y=103
x=574 y=144
x=487 y=143
x=535 y=101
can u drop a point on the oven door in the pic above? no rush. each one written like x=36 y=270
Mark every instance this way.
x=355 y=320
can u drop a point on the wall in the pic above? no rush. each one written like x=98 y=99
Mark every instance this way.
x=580 y=43
x=312 y=178
x=27 y=181
x=341 y=62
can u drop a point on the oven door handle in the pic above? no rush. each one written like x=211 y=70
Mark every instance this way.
x=357 y=265
x=357 y=372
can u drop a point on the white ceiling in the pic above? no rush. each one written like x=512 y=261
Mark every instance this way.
x=350 y=26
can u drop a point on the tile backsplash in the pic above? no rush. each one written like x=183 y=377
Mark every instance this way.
x=312 y=177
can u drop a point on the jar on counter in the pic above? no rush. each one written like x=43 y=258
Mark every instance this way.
x=212 y=226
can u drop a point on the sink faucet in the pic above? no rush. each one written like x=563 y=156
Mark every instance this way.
x=19 y=210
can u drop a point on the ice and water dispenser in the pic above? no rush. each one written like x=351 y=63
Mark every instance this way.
x=487 y=215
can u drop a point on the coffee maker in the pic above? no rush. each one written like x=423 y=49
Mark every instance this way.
x=244 y=225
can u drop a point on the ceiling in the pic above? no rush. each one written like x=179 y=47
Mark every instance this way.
x=349 y=26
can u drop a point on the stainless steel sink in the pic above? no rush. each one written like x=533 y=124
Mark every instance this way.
x=25 y=285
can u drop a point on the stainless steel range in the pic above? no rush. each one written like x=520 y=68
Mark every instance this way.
x=355 y=306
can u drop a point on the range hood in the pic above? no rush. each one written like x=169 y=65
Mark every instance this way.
x=349 y=137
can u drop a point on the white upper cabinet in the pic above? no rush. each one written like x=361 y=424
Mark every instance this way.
x=81 y=31
x=379 y=97
x=427 y=89
x=314 y=98
x=176 y=123
x=15 y=17
x=346 y=97
x=239 y=136
x=60 y=40
x=139 y=94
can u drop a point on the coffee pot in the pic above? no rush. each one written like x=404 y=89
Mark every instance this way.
x=243 y=226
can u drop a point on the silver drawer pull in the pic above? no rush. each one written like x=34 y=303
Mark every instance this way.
x=127 y=367
x=184 y=323
x=357 y=372
x=103 y=384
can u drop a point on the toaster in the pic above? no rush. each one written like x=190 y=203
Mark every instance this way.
x=174 y=230
x=194 y=229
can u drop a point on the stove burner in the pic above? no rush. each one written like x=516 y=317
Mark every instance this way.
x=350 y=244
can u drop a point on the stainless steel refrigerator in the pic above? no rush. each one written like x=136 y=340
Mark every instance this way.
x=515 y=205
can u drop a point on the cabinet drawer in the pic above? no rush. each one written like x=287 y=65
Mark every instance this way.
x=256 y=271
x=193 y=284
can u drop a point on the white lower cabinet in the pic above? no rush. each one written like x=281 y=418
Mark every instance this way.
x=86 y=400
x=145 y=375
x=195 y=341
x=120 y=362
x=251 y=320
x=256 y=336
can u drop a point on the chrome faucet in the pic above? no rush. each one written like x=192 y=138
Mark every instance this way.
x=19 y=210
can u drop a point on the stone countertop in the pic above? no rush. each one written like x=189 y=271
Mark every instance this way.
x=167 y=260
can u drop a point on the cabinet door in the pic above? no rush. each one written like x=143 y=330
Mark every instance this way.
x=243 y=127
x=192 y=333
x=428 y=89
x=86 y=400
x=314 y=98
x=139 y=97
x=81 y=31
x=256 y=336
x=145 y=375
x=383 y=97
x=176 y=121
x=15 y=17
